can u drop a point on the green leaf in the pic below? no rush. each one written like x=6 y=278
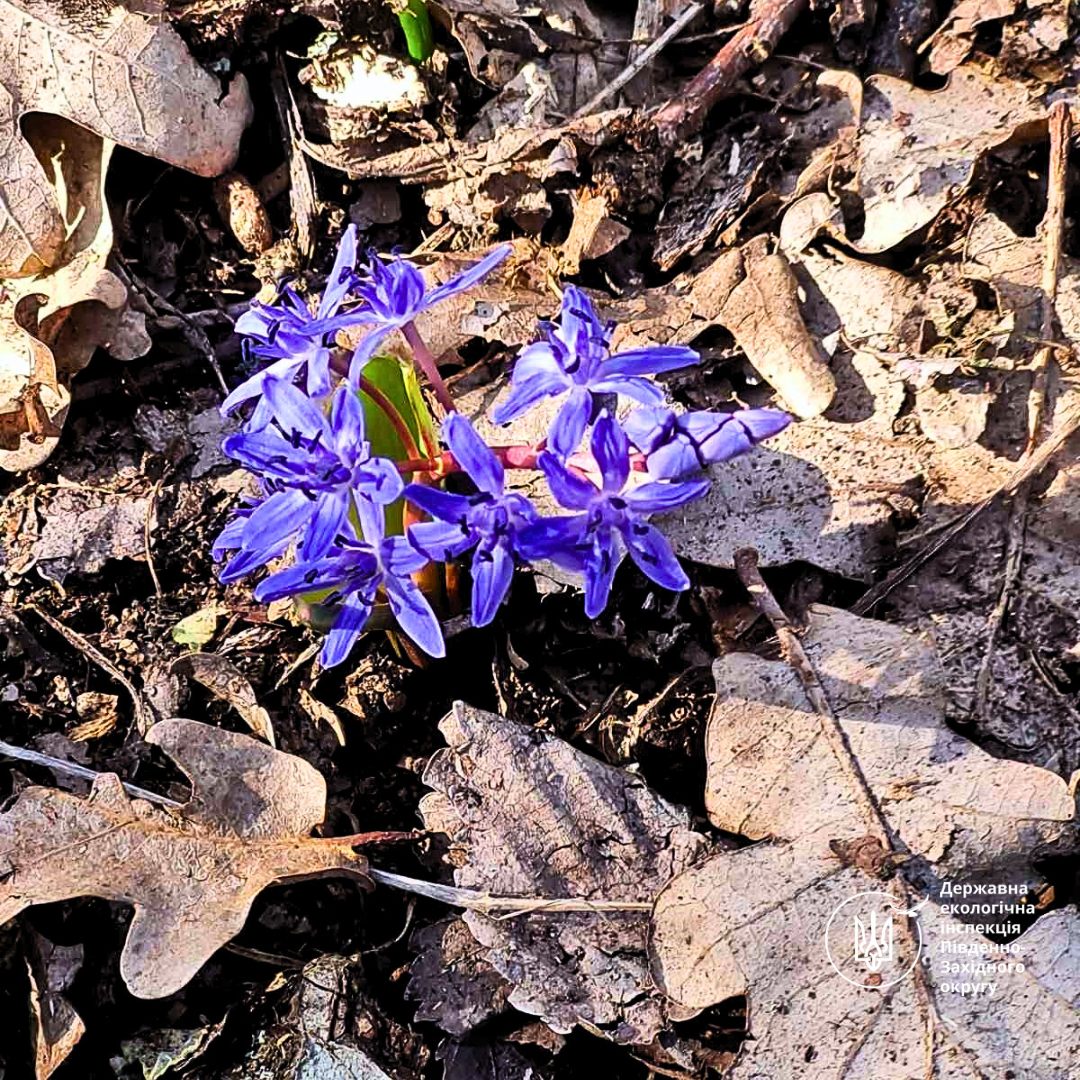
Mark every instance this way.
x=197 y=629
x=416 y=25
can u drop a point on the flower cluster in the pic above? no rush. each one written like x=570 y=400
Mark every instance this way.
x=348 y=533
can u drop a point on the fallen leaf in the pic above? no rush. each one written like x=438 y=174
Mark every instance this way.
x=452 y=980
x=917 y=149
x=168 y=1050
x=83 y=530
x=226 y=681
x=57 y=1027
x=193 y=875
x=108 y=77
x=97 y=713
x=198 y=628
x=322 y=713
x=530 y=815
x=593 y=232
x=754 y=921
x=953 y=41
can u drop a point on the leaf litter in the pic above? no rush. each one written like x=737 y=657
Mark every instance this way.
x=899 y=312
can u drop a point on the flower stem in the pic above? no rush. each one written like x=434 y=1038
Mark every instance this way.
x=427 y=365
x=389 y=410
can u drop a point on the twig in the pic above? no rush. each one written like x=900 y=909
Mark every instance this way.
x=486 y=903
x=746 y=566
x=643 y=59
x=1054 y=227
x=147 y=545
x=144 y=716
x=769 y=21
x=69 y=767
x=1025 y=471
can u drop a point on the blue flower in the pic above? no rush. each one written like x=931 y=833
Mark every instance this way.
x=393 y=293
x=610 y=521
x=231 y=538
x=574 y=359
x=356 y=571
x=316 y=470
x=487 y=521
x=288 y=335
x=677 y=445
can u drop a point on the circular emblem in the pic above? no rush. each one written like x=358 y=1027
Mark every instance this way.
x=872 y=941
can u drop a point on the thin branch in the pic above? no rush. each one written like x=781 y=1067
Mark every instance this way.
x=642 y=60
x=486 y=903
x=69 y=767
x=1025 y=470
x=144 y=716
x=1053 y=231
x=769 y=21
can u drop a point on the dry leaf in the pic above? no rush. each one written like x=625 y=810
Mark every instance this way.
x=450 y=978
x=193 y=875
x=230 y=684
x=917 y=149
x=533 y=816
x=754 y=921
x=103 y=78
x=955 y=38
x=57 y=1027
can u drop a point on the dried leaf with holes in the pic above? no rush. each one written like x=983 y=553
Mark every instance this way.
x=754 y=921
x=532 y=815
x=193 y=875
x=100 y=76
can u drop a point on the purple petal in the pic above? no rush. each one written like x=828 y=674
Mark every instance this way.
x=318 y=381
x=379 y=480
x=650 y=550
x=647 y=427
x=295 y=411
x=330 y=517
x=276 y=519
x=570 y=490
x=600 y=566
x=568 y=427
x=340 y=279
x=611 y=449
x=230 y=536
x=658 y=498
x=675 y=460
x=350 y=622
x=649 y=360
x=400 y=558
x=438 y=503
x=468 y=278
x=347 y=423
x=537 y=374
x=579 y=326
x=441 y=541
x=473 y=454
x=638 y=389
x=367 y=348
x=257 y=321
x=285 y=368
x=414 y=615
x=301 y=578
x=555 y=538
x=492 y=572
x=264 y=452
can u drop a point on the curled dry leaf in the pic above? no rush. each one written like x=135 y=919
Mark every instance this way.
x=754 y=921
x=224 y=680
x=917 y=150
x=99 y=76
x=57 y=1027
x=192 y=875
x=532 y=816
